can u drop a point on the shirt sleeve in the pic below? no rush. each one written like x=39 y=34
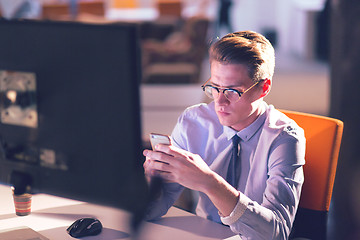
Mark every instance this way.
x=237 y=212
x=273 y=218
x=159 y=207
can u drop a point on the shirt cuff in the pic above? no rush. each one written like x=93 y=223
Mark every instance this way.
x=237 y=212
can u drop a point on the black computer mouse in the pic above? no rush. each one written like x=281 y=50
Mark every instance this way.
x=85 y=227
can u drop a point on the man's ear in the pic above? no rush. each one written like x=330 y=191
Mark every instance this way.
x=266 y=87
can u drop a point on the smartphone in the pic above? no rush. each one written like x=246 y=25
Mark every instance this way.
x=156 y=138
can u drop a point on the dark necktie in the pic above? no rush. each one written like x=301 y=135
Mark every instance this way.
x=234 y=166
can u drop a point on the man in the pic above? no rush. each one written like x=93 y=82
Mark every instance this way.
x=224 y=15
x=20 y=9
x=253 y=186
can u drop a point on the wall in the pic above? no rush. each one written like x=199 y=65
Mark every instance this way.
x=345 y=98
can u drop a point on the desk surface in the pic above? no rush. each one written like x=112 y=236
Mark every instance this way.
x=52 y=215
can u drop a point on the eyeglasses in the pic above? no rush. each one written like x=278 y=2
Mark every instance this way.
x=231 y=94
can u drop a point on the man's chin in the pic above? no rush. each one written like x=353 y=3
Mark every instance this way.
x=225 y=122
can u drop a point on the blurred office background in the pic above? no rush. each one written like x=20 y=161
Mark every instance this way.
x=317 y=64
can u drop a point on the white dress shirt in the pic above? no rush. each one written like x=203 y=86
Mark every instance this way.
x=272 y=155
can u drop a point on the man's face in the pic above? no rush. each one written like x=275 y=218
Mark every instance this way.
x=242 y=113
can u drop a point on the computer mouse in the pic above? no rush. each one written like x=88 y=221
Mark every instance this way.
x=85 y=227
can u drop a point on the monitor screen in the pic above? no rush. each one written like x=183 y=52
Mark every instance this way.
x=69 y=111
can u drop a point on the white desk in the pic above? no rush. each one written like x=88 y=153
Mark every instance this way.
x=132 y=14
x=52 y=215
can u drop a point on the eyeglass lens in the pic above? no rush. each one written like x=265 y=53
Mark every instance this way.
x=213 y=92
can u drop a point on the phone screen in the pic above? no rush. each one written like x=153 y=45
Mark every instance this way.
x=156 y=138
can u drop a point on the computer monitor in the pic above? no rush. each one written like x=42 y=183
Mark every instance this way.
x=70 y=111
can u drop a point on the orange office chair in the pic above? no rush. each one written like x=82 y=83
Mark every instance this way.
x=323 y=139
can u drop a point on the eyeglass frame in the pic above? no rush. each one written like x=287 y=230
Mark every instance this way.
x=240 y=93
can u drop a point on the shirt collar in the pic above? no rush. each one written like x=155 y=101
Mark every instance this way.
x=247 y=133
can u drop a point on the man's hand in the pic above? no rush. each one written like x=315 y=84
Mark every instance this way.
x=176 y=165
x=190 y=170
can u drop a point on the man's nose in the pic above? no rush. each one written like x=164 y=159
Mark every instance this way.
x=221 y=99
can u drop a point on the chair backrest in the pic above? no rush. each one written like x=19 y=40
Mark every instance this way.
x=61 y=11
x=168 y=8
x=323 y=139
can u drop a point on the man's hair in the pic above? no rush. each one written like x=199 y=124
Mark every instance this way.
x=246 y=47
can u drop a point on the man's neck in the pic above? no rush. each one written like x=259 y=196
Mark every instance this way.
x=258 y=111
